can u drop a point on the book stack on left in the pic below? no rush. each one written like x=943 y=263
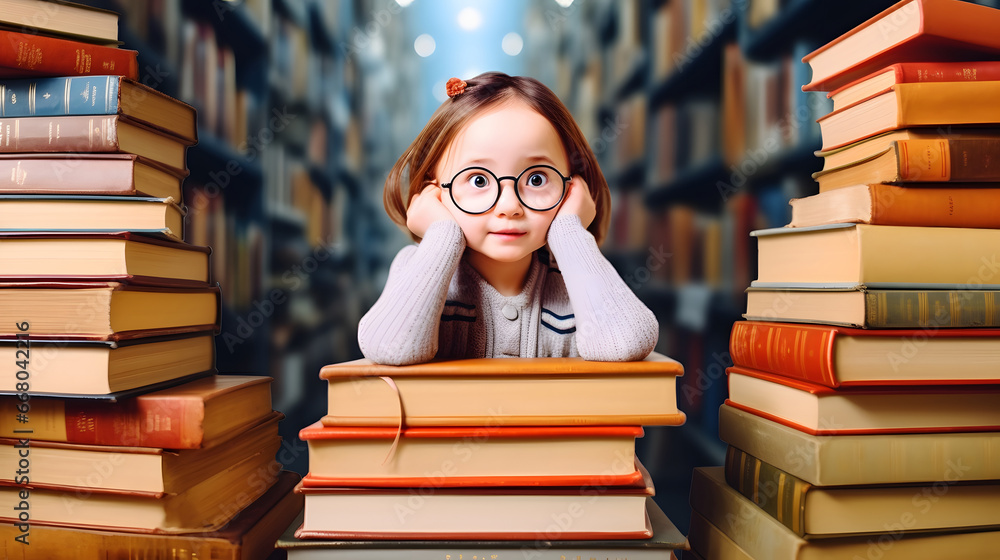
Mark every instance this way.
x=117 y=436
x=863 y=417
x=505 y=458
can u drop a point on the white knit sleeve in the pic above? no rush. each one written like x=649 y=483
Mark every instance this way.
x=611 y=323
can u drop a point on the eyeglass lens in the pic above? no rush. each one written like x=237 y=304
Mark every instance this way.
x=475 y=190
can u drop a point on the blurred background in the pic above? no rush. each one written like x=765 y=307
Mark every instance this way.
x=693 y=108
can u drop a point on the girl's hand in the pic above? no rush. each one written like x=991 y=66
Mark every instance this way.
x=578 y=202
x=425 y=209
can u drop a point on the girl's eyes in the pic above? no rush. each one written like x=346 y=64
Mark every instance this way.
x=479 y=181
x=537 y=180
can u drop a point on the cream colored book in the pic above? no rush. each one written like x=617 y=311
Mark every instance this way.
x=863 y=459
x=751 y=529
x=504 y=392
x=849 y=255
x=92 y=214
x=135 y=469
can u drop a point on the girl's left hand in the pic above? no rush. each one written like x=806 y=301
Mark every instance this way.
x=578 y=201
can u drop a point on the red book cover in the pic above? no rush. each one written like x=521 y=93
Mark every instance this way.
x=24 y=55
x=910 y=72
x=910 y=30
x=808 y=352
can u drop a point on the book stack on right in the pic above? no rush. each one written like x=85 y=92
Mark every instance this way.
x=117 y=436
x=863 y=418
x=505 y=458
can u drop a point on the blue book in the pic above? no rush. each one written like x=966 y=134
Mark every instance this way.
x=98 y=95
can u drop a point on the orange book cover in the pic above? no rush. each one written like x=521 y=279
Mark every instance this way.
x=910 y=30
x=910 y=72
x=811 y=353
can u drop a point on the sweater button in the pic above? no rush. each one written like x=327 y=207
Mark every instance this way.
x=510 y=312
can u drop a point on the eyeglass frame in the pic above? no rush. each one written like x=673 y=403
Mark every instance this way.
x=499 y=180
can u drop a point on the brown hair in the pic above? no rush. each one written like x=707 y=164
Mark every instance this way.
x=415 y=168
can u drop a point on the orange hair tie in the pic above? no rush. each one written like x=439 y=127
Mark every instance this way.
x=455 y=87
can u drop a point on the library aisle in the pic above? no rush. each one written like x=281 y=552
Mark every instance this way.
x=693 y=107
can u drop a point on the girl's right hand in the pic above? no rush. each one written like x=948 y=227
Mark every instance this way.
x=425 y=209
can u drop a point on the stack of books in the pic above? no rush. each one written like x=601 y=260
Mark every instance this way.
x=863 y=417
x=493 y=458
x=117 y=436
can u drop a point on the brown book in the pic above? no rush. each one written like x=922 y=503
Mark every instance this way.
x=928 y=205
x=504 y=392
x=91 y=214
x=908 y=105
x=872 y=147
x=62 y=19
x=814 y=511
x=87 y=133
x=118 y=257
x=107 y=310
x=911 y=30
x=94 y=367
x=206 y=506
x=920 y=161
x=911 y=72
x=75 y=173
x=28 y=54
x=146 y=470
x=196 y=414
x=249 y=536
x=847 y=459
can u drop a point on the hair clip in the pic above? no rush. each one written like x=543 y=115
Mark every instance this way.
x=455 y=87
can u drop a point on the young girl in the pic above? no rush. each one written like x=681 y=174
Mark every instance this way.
x=508 y=204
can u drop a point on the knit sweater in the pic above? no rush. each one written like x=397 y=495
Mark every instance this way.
x=435 y=305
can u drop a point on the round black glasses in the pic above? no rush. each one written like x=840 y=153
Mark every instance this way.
x=475 y=190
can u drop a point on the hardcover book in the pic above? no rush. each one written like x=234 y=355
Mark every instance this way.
x=825 y=511
x=874 y=256
x=846 y=459
x=836 y=356
x=471 y=456
x=720 y=511
x=141 y=470
x=666 y=539
x=912 y=105
x=250 y=535
x=504 y=392
x=871 y=147
x=114 y=256
x=484 y=513
x=98 y=367
x=101 y=174
x=91 y=214
x=98 y=95
x=927 y=205
x=909 y=31
x=114 y=310
x=192 y=415
x=28 y=54
x=62 y=19
x=820 y=410
x=914 y=72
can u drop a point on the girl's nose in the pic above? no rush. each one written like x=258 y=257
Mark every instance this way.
x=508 y=204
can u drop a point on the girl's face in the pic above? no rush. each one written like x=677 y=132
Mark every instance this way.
x=506 y=140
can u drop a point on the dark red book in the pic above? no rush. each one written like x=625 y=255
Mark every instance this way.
x=24 y=55
x=835 y=356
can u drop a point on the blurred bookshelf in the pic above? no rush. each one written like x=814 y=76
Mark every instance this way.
x=274 y=184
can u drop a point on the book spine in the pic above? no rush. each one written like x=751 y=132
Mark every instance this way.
x=59 y=134
x=51 y=97
x=24 y=55
x=971 y=71
x=893 y=205
x=778 y=493
x=48 y=542
x=947 y=160
x=789 y=350
x=67 y=176
x=139 y=422
x=908 y=309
